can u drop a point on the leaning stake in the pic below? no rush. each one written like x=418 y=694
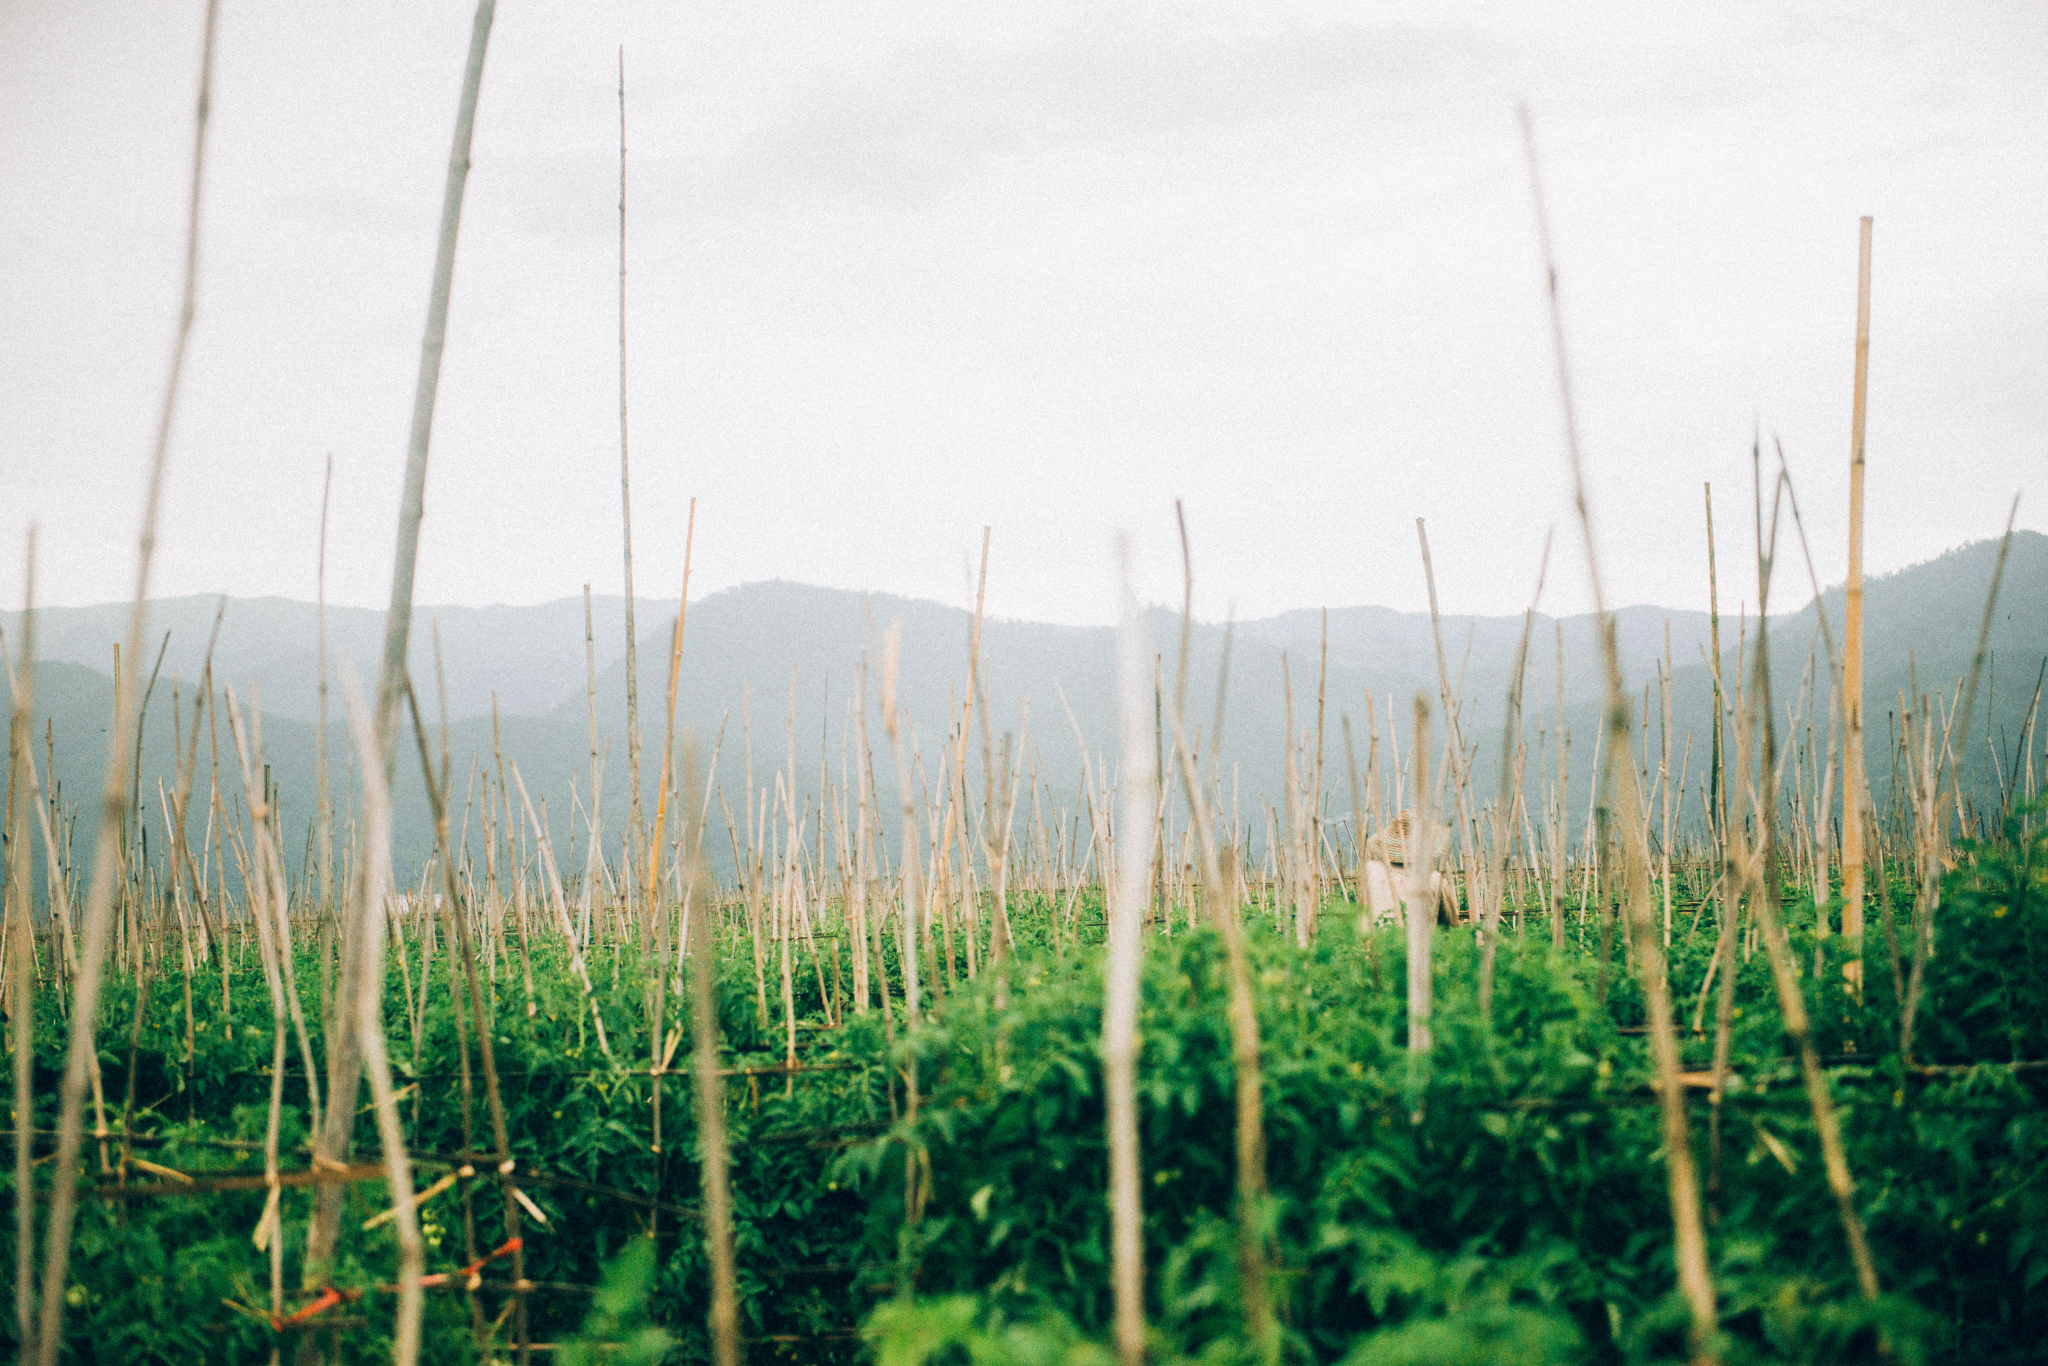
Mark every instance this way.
x=1620 y=785
x=113 y=807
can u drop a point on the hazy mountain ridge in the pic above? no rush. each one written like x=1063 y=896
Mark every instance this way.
x=745 y=648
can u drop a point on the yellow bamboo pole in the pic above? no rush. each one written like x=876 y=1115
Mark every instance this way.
x=1852 y=645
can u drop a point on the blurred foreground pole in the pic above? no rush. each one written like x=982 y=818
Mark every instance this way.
x=1619 y=791
x=21 y=989
x=1134 y=832
x=99 y=905
x=711 y=1142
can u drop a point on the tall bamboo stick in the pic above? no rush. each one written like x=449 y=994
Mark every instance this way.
x=412 y=509
x=1784 y=970
x=1260 y=1324
x=267 y=1236
x=1853 y=796
x=635 y=828
x=465 y=950
x=372 y=887
x=1716 y=770
x=324 y=836
x=1135 y=814
x=1664 y=783
x=675 y=673
x=343 y=1059
x=79 y=1062
x=895 y=723
x=1619 y=782
x=20 y=944
x=1510 y=793
x=1420 y=893
x=594 y=860
x=1561 y=739
x=711 y=1140
x=1930 y=786
x=867 y=969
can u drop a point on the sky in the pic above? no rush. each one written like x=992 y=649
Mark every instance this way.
x=897 y=271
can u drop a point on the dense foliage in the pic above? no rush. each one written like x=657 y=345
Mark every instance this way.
x=1503 y=1200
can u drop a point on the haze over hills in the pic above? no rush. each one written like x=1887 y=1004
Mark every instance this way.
x=750 y=652
x=533 y=658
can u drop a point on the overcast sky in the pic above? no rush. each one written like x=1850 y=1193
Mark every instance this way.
x=900 y=270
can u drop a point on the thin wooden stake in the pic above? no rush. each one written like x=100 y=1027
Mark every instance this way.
x=1853 y=782
x=1421 y=894
x=343 y=1060
x=80 y=1064
x=21 y=950
x=1689 y=1240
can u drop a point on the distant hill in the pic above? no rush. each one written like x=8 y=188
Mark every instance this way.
x=748 y=650
x=1920 y=623
x=530 y=656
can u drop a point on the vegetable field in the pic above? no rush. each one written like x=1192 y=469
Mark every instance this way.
x=1739 y=1057
x=922 y=1169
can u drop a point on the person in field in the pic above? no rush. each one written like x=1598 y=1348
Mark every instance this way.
x=1384 y=880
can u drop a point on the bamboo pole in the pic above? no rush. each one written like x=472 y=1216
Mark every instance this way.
x=895 y=722
x=1316 y=780
x=398 y=622
x=21 y=937
x=1260 y=1324
x=594 y=860
x=1443 y=664
x=1732 y=895
x=1853 y=782
x=372 y=888
x=486 y=1049
x=559 y=904
x=1716 y=812
x=79 y=1063
x=635 y=828
x=517 y=871
x=710 y=1089
x=1784 y=970
x=784 y=854
x=1421 y=899
x=1291 y=866
x=997 y=945
x=1932 y=784
x=343 y=1058
x=324 y=816
x=1664 y=783
x=267 y=1236
x=1510 y=793
x=1561 y=739
x=654 y=964
x=1688 y=1233
x=1126 y=949
x=857 y=898
x=280 y=901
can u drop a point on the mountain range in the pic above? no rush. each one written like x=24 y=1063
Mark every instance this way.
x=771 y=666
